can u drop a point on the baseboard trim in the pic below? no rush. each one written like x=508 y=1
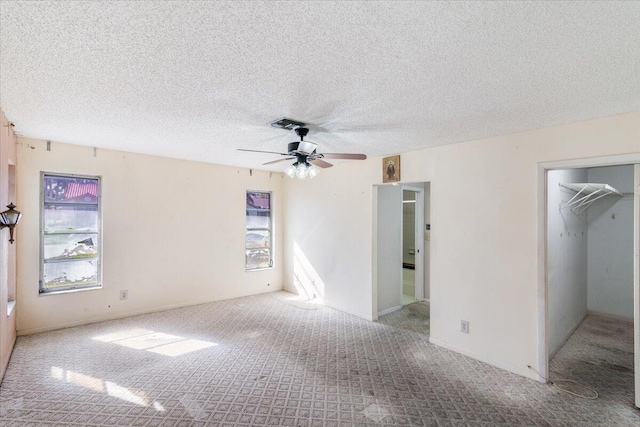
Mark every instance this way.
x=497 y=363
x=128 y=314
x=611 y=316
x=389 y=310
x=566 y=338
x=332 y=305
x=344 y=310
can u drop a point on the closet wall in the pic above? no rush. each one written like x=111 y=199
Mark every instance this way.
x=567 y=259
x=610 y=245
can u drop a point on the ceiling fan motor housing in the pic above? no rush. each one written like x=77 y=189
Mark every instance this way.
x=302 y=147
x=293 y=146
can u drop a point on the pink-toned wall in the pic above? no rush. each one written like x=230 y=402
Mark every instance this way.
x=7 y=251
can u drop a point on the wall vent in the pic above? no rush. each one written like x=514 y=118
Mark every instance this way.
x=287 y=124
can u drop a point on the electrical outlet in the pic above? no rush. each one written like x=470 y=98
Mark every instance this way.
x=124 y=294
x=464 y=326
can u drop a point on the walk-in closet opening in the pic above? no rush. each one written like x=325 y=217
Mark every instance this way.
x=590 y=279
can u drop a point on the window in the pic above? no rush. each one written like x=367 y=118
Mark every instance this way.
x=258 y=240
x=70 y=249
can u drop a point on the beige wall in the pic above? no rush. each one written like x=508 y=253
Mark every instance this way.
x=173 y=234
x=328 y=236
x=483 y=239
x=7 y=251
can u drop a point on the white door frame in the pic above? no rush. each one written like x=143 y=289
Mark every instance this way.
x=419 y=241
x=636 y=279
x=542 y=334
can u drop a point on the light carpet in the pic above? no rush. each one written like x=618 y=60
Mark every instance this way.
x=270 y=360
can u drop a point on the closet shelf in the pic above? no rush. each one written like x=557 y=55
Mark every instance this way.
x=586 y=193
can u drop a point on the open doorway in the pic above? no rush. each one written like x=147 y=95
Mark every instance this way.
x=589 y=312
x=410 y=250
x=401 y=256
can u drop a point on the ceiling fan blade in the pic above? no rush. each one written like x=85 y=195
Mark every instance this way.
x=320 y=163
x=349 y=156
x=276 y=161
x=260 y=151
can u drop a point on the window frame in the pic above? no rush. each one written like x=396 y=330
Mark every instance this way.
x=270 y=230
x=42 y=291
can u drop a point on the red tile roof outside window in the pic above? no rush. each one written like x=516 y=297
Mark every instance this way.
x=76 y=189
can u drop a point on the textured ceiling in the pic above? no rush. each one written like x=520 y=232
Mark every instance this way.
x=196 y=80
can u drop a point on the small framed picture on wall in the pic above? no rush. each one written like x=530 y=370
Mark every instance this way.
x=391 y=169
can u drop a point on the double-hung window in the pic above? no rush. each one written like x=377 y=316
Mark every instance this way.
x=70 y=240
x=258 y=236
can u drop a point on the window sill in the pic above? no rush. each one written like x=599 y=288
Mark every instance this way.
x=70 y=291
x=11 y=305
x=258 y=269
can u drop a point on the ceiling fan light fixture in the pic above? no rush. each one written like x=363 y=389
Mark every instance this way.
x=291 y=170
x=313 y=171
x=302 y=171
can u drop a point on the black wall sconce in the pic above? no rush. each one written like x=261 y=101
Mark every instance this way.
x=10 y=218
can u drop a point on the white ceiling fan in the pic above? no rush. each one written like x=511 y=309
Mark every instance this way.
x=304 y=152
